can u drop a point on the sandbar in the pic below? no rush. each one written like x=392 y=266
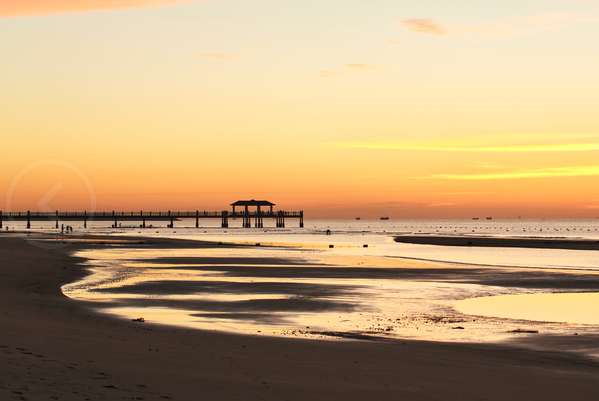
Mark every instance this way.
x=497 y=242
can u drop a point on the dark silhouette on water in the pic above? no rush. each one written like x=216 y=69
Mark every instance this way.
x=224 y=215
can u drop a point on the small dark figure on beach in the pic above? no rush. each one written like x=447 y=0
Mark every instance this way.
x=62 y=229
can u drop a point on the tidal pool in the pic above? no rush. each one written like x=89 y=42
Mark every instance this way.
x=578 y=308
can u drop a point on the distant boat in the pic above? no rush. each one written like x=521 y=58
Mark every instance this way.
x=385 y=218
x=475 y=218
x=489 y=218
x=357 y=218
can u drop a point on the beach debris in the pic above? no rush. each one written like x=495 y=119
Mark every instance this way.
x=139 y=319
x=523 y=331
x=341 y=334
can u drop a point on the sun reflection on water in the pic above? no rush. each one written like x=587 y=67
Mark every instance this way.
x=298 y=292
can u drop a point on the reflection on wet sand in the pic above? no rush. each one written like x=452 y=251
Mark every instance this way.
x=581 y=308
x=295 y=292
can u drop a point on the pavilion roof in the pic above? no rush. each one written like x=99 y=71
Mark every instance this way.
x=252 y=203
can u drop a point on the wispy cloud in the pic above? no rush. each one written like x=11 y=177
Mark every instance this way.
x=346 y=70
x=573 y=171
x=418 y=204
x=512 y=27
x=24 y=8
x=443 y=147
x=218 y=56
x=424 y=26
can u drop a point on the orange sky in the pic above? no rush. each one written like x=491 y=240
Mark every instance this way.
x=407 y=110
x=19 y=8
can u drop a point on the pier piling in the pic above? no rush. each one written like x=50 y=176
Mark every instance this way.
x=225 y=219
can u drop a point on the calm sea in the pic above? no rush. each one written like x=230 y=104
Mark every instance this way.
x=350 y=236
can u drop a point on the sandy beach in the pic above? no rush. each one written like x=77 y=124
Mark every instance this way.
x=54 y=348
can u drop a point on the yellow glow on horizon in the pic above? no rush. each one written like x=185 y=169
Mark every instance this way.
x=567 y=147
x=540 y=173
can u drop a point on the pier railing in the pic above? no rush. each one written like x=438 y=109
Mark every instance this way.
x=91 y=215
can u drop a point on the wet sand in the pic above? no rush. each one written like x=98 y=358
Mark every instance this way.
x=52 y=347
x=494 y=242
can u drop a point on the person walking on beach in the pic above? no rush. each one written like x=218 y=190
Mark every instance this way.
x=62 y=229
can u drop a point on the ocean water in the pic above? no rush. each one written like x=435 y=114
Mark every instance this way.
x=303 y=282
x=350 y=236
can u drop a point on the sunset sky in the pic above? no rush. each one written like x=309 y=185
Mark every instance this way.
x=410 y=109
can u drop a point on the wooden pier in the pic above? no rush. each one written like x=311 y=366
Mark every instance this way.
x=258 y=216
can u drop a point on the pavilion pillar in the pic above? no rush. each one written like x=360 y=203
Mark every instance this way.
x=115 y=222
x=57 y=219
x=258 y=222
x=197 y=219
x=0 y=219
x=172 y=223
x=28 y=219
x=301 y=219
x=85 y=219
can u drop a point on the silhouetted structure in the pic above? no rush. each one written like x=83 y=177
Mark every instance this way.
x=259 y=214
x=142 y=216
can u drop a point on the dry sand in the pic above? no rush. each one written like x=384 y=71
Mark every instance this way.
x=53 y=348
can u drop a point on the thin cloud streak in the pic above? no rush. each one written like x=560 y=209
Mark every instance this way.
x=27 y=8
x=568 y=147
x=513 y=27
x=576 y=171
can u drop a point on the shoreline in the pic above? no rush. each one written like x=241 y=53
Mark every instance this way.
x=54 y=346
